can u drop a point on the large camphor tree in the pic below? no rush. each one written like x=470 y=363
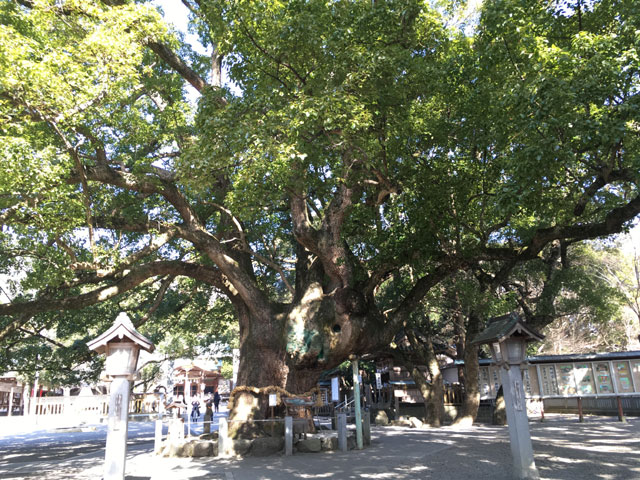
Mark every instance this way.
x=364 y=140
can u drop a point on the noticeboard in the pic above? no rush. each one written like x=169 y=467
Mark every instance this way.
x=584 y=379
x=635 y=366
x=484 y=383
x=548 y=380
x=623 y=377
x=566 y=382
x=603 y=378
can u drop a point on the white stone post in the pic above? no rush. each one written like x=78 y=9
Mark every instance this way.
x=342 y=432
x=187 y=400
x=116 y=450
x=157 y=444
x=288 y=435
x=366 y=427
x=356 y=403
x=223 y=433
x=10 y=411
x=515 y=405
x=26 y=400
x=33 y=406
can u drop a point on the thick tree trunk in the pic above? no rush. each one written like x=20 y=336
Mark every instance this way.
x=421 y=382
x=500 y=410
x=289 y=346
x=432 y=393
x=262 y=364
x=435 y=400
x=460 y=336
x=471 y=401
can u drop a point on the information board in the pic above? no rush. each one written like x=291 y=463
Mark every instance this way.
x=566 y=382
x=635 y=365
x=496 y=382
x=530 y=382
x=584 y=379
x=603 y=378
x=548 y=380
x=623 y=377
x=484 y=383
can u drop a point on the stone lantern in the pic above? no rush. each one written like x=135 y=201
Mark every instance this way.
x=507 y=337
x=121 y=344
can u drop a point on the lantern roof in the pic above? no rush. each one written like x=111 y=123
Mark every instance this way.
x=122 y=330
x=505 y=326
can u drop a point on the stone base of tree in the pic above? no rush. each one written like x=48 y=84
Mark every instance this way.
x=380 y=417
x=411 y=422
x=190 y=448
x=207 y=446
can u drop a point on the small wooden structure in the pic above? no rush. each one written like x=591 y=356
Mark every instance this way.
x=301 y=410
x=193 y=380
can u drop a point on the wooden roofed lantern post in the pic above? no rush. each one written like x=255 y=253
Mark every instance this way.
x=121 y=344
x=507 y=337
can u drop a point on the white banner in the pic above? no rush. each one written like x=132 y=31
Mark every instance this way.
x=335 y=390
x=378 y=380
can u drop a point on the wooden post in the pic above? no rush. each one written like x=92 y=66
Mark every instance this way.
x=620 y=412
x=580 y=415
x=288 y=435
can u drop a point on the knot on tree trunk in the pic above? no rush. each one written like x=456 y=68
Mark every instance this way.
x=350 y=302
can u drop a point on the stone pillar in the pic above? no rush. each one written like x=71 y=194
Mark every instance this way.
x=116 y=449
x=176 y=430
x=187 y=401
x=208 y=416
x=10 y=411
x=366 y=427
x=288 y=435
x=342 y=432
x=26 y=403
x=33 y=405
x=515 y=403
x=223 y=434
x=157 y=443
x=356 y=403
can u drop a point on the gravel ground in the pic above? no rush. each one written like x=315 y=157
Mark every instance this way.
x=600 y=448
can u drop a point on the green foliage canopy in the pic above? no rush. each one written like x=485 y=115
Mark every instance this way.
x=368 y=138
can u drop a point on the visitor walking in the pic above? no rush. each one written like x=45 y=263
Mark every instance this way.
x=216 y=401
x=195 y=410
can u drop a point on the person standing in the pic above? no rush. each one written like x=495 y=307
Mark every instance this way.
x=216 y=401
x=195 y=410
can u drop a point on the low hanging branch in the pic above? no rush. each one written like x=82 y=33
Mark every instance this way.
x=128 y=282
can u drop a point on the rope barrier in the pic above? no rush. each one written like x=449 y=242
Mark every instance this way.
x=272 y=389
